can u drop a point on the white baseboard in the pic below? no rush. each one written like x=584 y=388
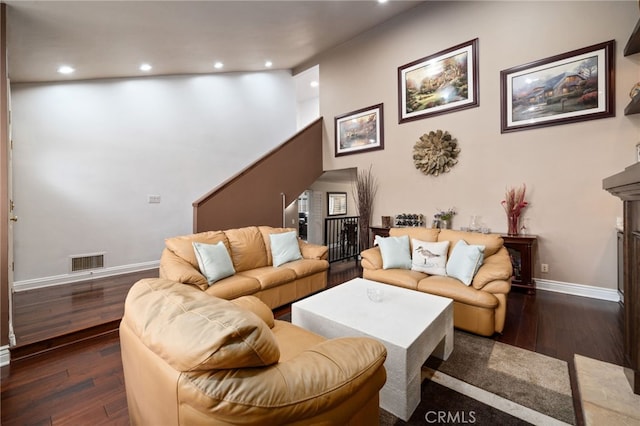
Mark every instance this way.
x=5 y=356
x=592 y=292
x=82 y=276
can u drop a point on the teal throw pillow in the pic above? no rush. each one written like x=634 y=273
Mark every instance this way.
x=395 y=252
x=214 y=261
x=464 y=262
x=284 y=247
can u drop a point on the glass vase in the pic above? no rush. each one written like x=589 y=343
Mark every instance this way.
x=514 y=224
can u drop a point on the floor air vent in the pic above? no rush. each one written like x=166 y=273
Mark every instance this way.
x=87 y=262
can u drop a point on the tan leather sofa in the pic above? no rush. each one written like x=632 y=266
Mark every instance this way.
x=192 y=359
x=478 y=308
x=250 y=252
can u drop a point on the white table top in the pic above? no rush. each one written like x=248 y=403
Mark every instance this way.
x=399 y=318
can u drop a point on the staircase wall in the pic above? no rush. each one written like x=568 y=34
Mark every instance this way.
x=255 y=195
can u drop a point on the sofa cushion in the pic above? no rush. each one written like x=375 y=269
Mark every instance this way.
x=399 y=277
x=284 y=247
x=456 y=290
x=395 y=252
x=213 y=260
x=193 y=331
x=247 y=248
x=464 y=262
x=418 y=232
x=269 y=276
x=428 y=257
x=305 y=267
x=233 y=286
x=183 y=248
x=491 y=242
x=266 y=231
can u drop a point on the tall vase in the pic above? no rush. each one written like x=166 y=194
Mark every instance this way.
x=514 y=224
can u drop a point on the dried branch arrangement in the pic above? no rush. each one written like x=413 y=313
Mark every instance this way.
x=364 y=191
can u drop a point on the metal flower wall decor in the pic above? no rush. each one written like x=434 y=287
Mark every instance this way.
x=435 y=153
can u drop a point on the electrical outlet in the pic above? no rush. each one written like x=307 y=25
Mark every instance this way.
x=544 y=267
x=153 y=199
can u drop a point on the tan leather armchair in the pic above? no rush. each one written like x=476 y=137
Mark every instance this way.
x=190 y=358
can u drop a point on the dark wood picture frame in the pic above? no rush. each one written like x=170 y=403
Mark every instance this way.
x=360 y=131
x=444 y=82
x=567 y=88
x=336 y=203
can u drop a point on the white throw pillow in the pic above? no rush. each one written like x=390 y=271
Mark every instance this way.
x=284 y=247
x=214 y=261
x=429 y=257
x=395 y=252
x=464 y=262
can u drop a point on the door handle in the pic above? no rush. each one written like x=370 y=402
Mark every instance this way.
x=13 y=218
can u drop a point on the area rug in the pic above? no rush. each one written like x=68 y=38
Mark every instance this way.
x=485 y=382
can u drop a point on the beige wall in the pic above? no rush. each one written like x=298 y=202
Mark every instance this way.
x=563 y=166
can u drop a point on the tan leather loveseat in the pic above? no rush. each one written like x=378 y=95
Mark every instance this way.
x=192 y=359
x=479 y=307
x=250 y=252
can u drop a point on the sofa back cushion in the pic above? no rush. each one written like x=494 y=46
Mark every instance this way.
x=491 y=242
x=417 y=233
x=247 y=248
x=266 y=231
x=193 y=331
x=182 y=246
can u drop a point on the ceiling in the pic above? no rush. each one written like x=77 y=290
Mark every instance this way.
x=110 y=39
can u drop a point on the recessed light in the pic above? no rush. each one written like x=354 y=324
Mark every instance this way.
x=382 y=1
x=66 y=69
x=145 y=67
x=268 y=64
x=314 y=84
x=218 y=65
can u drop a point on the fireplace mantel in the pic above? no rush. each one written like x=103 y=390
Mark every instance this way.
x=626 y=186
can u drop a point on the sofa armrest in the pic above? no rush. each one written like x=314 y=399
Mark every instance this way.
x=496 y=267
x=313 y=251
x=371 y=258
x=257 y=306
x=318 y=379
x=174 y=268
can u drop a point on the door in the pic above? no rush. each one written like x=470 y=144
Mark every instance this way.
x=12 y=218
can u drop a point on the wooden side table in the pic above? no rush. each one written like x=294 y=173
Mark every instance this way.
x=383 y=231
x=522 y=249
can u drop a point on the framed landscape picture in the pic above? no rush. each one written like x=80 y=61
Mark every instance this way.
x=360 y=131
x=444 y=82
x=574 y=86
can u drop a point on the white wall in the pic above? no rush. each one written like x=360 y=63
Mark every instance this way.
x=307 y=96
x=563 y=166
x=87 y=154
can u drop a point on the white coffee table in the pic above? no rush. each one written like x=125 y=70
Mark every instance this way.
x=412 y=325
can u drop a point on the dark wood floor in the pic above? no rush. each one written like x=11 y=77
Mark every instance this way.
x=82 y=382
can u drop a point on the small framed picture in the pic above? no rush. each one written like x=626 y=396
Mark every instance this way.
x=360 y=131
x=336 y=203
